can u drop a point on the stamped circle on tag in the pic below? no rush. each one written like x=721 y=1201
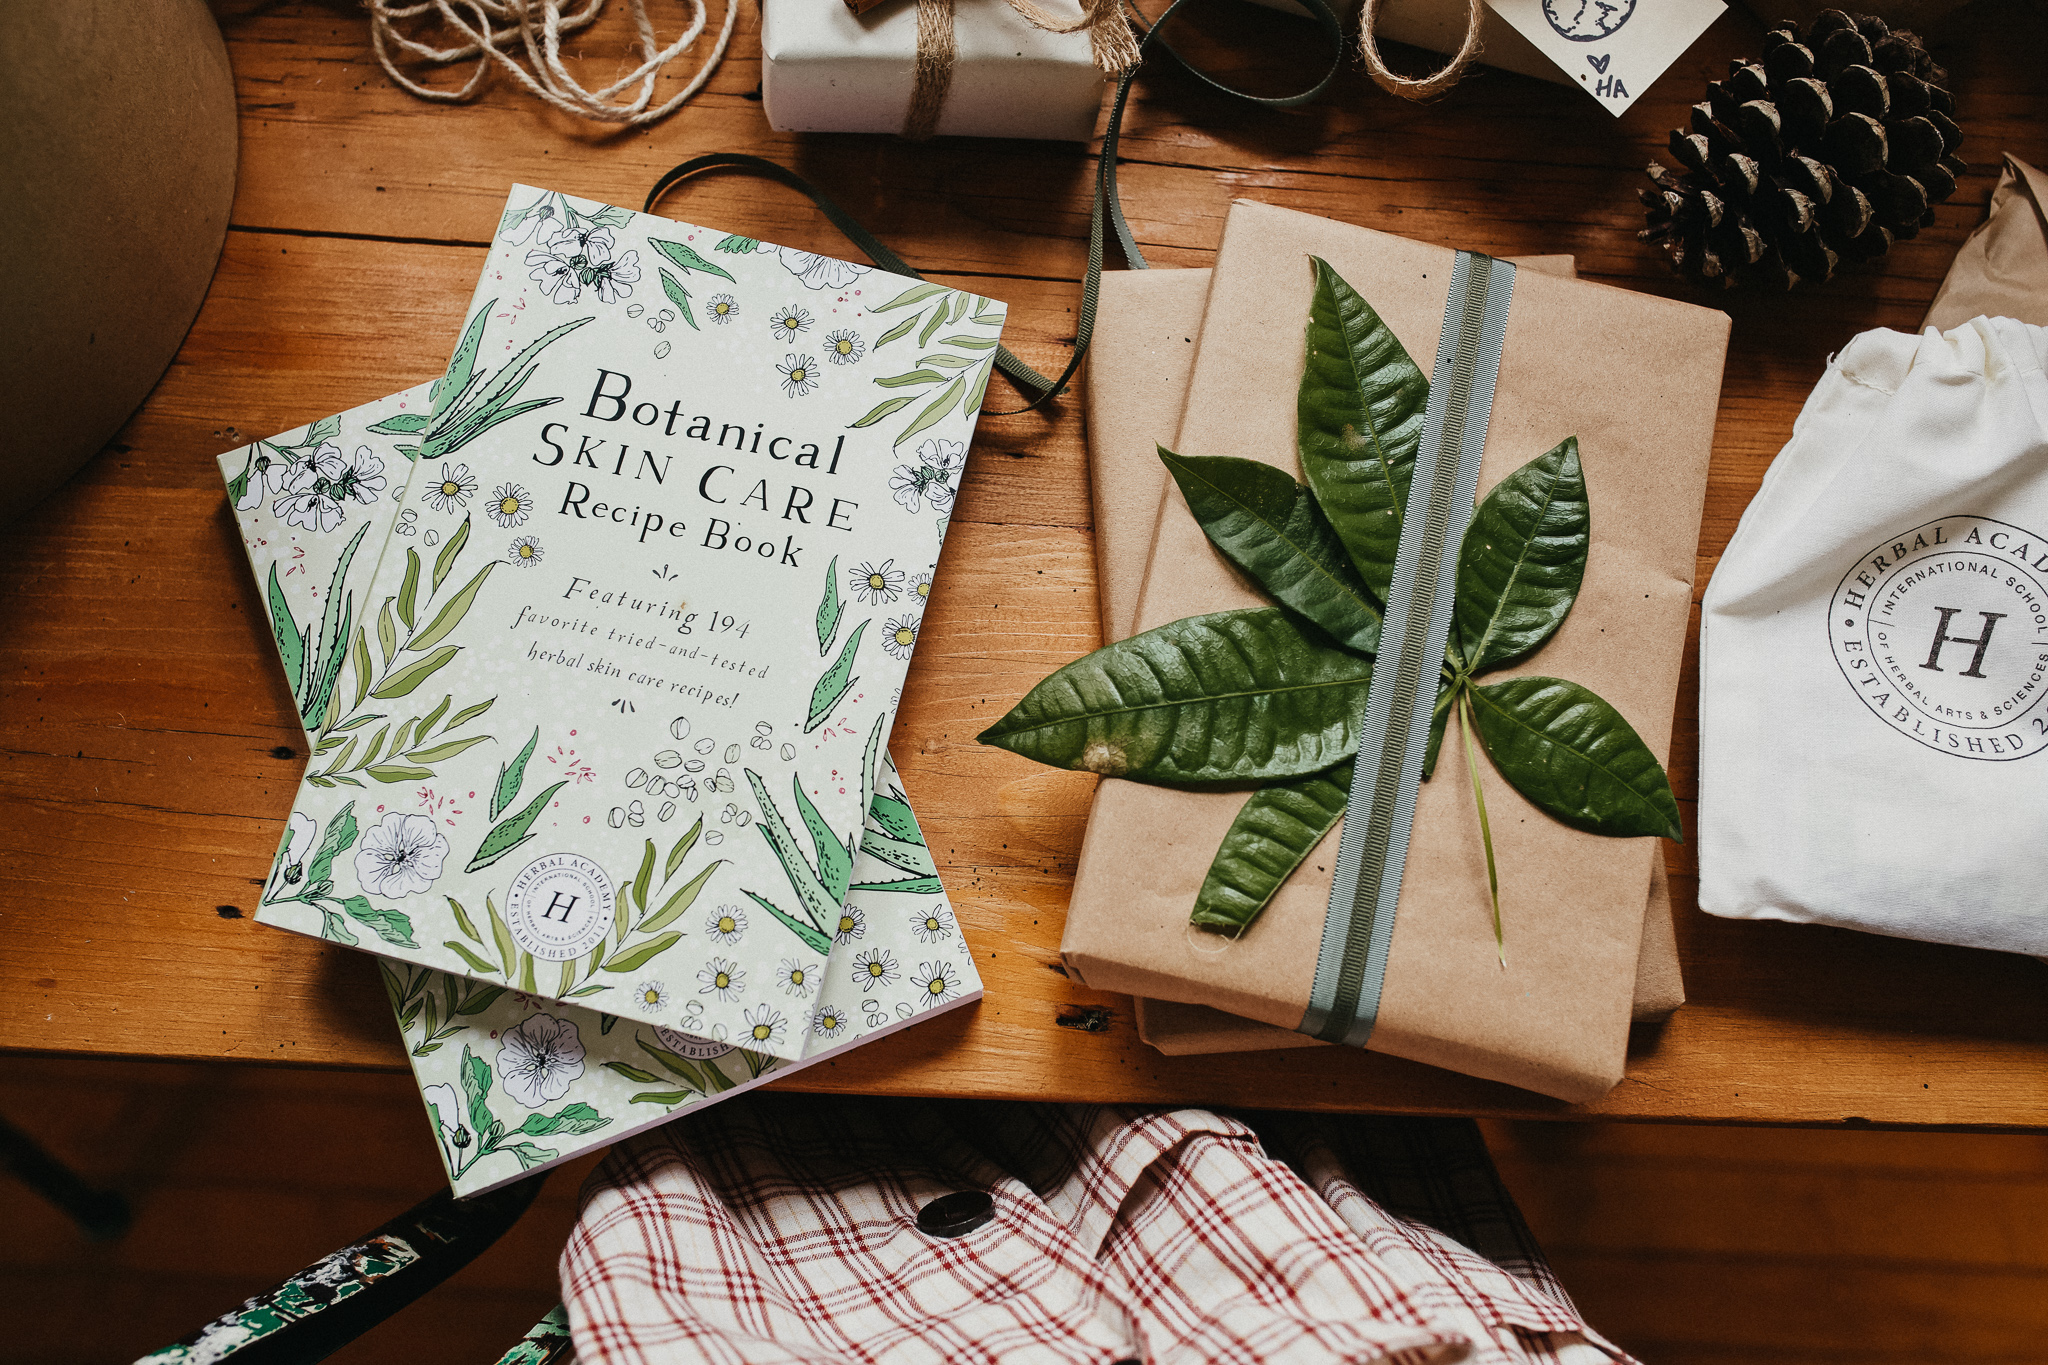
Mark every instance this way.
x=559 y=907
x=690 y=1046
x=1943 y=633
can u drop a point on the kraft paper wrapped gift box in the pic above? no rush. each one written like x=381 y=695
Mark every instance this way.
x=1637 y=380
x=825 y=69
x=1134 y=389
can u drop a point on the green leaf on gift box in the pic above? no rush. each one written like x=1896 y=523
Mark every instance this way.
x=1523 y=560
x=1269 y=526
x=511 y=833
x=1231 y=697
x=1274 y=832
x=1359 y=424
x=683 y=255
x=1575 y=757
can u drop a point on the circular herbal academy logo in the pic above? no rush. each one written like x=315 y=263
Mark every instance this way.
x=690 y=1045
x=559 y=907
x=1943 y=632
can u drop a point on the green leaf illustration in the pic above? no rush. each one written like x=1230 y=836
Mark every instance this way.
x=427 y=724
x=820 y=905
x=440 y=753
x=733 y=242
x=478 y=410
x=1269 y=526
x=946 y=362
x=972 y=343
x=511 y=776
x=1273 y=833
x=333 y=926
x=632 y=1073
x=895 y=818
x=336 y=618
x=937 y=320
x=1575 y=757
x=450 y=616
x=940 y=406
x=668 y=1099
x=680 y=297
x=531 y=1155
x=682 y=255
x=611 y=216
x=897 y=381
x=475 y=962
x=1234 y=696
x=462 y=919
x=238 y=487
x=341 y=837
x=573 y=1118
x=360 y=658
x=1523 y=560
x=324 y=701
x=326 y=429
x=835 y=682
x=476 y=1089
x=291 y=646
x=895 y=332
x=972 y=402
x=409 y=591
x=470 y=713
x=402 y=683
x=393 y=926
x=1360 y=422
x=403 y=424
x=923 y=886
x=917 y=293
x=830 y=608
x=398 y=772
x=445 y=561
x=387 y=631
x=835 y=860
x=817 y=940
x=681 y=901
x=511 y=833
x=881 y=410
x=644 y=876
x=639 y=957
x=903 y=854
x=682 y=849
x=679 y=1067
x=461 y=371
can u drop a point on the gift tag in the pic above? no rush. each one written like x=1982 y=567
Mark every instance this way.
x=1612 y=49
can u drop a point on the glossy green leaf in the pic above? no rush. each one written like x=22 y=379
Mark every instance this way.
x=1269 y=526
x=1523 y=560
x=1576 y=757
x=1359 y=423
x=1273 y=833
x=511 y=833
x=1234 y=696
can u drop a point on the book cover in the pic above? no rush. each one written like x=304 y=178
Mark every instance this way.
x=665 y=531
x=514 y=1082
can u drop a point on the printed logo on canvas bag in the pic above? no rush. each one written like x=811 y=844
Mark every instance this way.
x=1943 y=633
x=559 y=907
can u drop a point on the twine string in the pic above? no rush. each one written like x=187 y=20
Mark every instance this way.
x=1428 y=86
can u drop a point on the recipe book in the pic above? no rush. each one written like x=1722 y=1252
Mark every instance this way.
x=666 y=528
x=513 y=1082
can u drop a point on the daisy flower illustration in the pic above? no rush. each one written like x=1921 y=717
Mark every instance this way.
x=510 y=505
x=454 y=488
x=721 y=978
x=936 y=982
x=721 y=308
x=853 y=923
x=874 y=586
x=828 y=1022
x=875 y=967
x=651 y=996
x=525 y=551
x=789 y=322
x=900 y=636
x=795 y=978
x=843 y=347
x=799 y=374
x=764 y=1025
x=921 y=587
x=726 y=924
x=933 y=924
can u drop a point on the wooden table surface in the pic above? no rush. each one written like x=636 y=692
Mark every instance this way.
x=152 y=751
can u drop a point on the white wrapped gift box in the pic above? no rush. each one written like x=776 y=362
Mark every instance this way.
x=826 y=70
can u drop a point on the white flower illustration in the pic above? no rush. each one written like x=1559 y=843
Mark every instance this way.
x=788 y=322
x=936 y=982
x=452 y=489
x=450 y=1120
x=727 y=924
x=799 y=374
x=525 y=552
x=829 y=1021
x=795 y=978
x=764 y=1025
x=650 y=996
x=574 y=257
x=362 y=478
x=311 y=509
x=299 y=841
x=721 y=308
x=932 y=924
x=899 y=637
x=540 y=1060
x=555 y=272
x=820 y=272
x=921 y=587
x=539 y=221
x=510 y=505
x=875 y=967
x=853 y=923
x=401 y=856
x=948 y=457
x=873 y=586
x=721 y=978
x=843 y=347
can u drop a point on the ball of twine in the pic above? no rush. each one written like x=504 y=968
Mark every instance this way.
x=536 y=28
x=1443 y=79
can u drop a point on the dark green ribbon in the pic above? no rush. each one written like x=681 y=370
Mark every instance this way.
x=1107 y=208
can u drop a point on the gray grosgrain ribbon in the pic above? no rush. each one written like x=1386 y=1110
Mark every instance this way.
x=1394 y=729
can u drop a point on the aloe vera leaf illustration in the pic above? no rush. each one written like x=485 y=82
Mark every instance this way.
x=835 y=860
x=923 y=886
x=837 y=681
x=894 y=818
x=332 y=632
x=291 y=642
x=469 y=406
x=829 y=609
x=902 y=853
x=511 y=833
x=511 y=775
x=324 y=701
x=820 y=905
x=867 y=762
x=461 y=372
x=817 y=940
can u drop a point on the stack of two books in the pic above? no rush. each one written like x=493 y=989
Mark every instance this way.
x=597 y=641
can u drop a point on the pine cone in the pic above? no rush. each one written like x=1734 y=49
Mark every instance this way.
x=1831 y=148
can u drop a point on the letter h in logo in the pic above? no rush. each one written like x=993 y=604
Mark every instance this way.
x=566 y=903
x=1942 y=637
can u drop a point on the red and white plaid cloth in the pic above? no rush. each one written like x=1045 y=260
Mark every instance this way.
x=779 y=1229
